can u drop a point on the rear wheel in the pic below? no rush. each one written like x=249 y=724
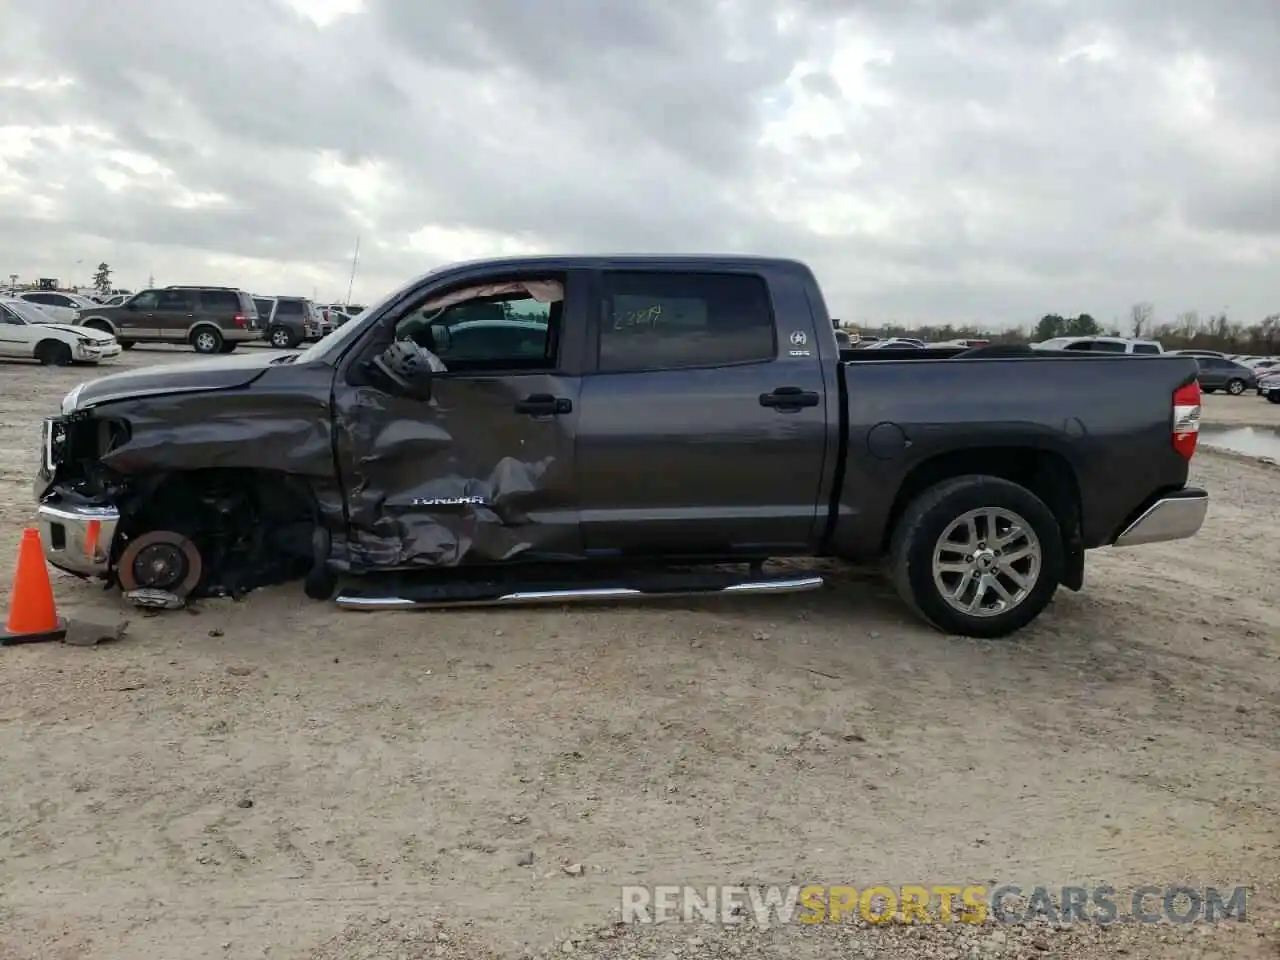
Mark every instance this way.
x=100 y=325
x=1235 y=387
x=1274 y=396
x=127 y=344
x=1208 y=389
x=977 y=556
x=228 y=348
x=206 y=340
x=53 y=353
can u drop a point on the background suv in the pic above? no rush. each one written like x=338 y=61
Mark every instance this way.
x=290 y=321
x=211 y=319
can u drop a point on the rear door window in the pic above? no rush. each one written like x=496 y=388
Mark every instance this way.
x=289 y=308
x=670 y=321
x=177 y=301
x=220 y=301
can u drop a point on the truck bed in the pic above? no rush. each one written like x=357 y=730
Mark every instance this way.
x=1105 y=424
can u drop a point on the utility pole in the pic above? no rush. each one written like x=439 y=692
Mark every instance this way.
x=352 y=282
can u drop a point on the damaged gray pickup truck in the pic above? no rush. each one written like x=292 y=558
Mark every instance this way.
x=559 y=428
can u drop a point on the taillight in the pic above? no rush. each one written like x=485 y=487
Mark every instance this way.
x=1186 y=419
x=240 y=320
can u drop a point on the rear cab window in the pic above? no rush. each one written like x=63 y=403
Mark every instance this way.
x=1145 y=348
x=675 y=320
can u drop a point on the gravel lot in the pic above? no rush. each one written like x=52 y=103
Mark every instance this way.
x=276 y=778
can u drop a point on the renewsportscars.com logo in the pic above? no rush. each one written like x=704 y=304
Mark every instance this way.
x=769 y=905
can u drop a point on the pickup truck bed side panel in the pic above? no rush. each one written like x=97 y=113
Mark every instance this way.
x=1110 y=418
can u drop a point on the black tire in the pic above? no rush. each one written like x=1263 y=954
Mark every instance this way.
x=206 y=340
x=282 y=338
x=228 y=348
x=127 y=344
x=1208 y=389
x=927 y=519
x=1235 y=387
x=99 y=325
x=53 y=353
x=1273 y=396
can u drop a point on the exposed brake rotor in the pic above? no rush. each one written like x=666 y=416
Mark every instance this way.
x=160 y=560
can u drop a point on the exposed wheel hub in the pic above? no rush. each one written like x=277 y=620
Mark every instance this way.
x=160 y=560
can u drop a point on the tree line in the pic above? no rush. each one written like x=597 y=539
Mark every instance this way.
x=1186 y=331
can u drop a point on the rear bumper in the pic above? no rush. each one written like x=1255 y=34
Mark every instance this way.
x=1174 y=516
x=78 y=539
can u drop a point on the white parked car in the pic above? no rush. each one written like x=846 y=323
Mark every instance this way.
x=895 y=343
x=29 y=333
x=63 y=307
x=1100 y=345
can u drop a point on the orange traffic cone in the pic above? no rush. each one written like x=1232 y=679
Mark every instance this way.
x=32 y=614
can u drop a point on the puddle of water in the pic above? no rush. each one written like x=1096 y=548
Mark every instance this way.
x=1251 y=441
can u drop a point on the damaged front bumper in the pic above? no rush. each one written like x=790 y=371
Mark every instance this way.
x=78 y=538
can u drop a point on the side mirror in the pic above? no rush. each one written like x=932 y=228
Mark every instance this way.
x=408 y=369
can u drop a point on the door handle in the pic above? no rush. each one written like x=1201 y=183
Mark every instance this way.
x=543 y=405
x=789 y=398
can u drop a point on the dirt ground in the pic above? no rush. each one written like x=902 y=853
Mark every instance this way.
x=276 y=778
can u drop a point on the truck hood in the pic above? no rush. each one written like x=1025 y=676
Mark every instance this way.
x=218 y=373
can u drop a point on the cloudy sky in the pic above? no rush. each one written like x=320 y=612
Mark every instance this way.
x=935 y=160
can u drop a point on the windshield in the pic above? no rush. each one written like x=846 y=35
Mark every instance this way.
x=327 y=349
x=27 y=313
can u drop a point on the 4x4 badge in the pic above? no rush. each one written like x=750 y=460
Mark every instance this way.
x=798 y=339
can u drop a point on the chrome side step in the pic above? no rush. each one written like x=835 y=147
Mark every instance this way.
x=577 y=595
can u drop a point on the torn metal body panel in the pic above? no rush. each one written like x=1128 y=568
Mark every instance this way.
x=458 y=480
x=234 y=458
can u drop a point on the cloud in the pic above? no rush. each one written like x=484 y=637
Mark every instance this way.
x=974 y=160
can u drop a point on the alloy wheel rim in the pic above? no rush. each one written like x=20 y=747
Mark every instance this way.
x=987 y=562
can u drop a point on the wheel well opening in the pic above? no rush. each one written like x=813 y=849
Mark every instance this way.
x=1046 y=473
x=252 y=528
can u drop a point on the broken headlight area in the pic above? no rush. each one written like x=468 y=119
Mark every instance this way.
x=72 y=448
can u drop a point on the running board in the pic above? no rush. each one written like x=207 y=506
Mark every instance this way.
x=448 y=595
